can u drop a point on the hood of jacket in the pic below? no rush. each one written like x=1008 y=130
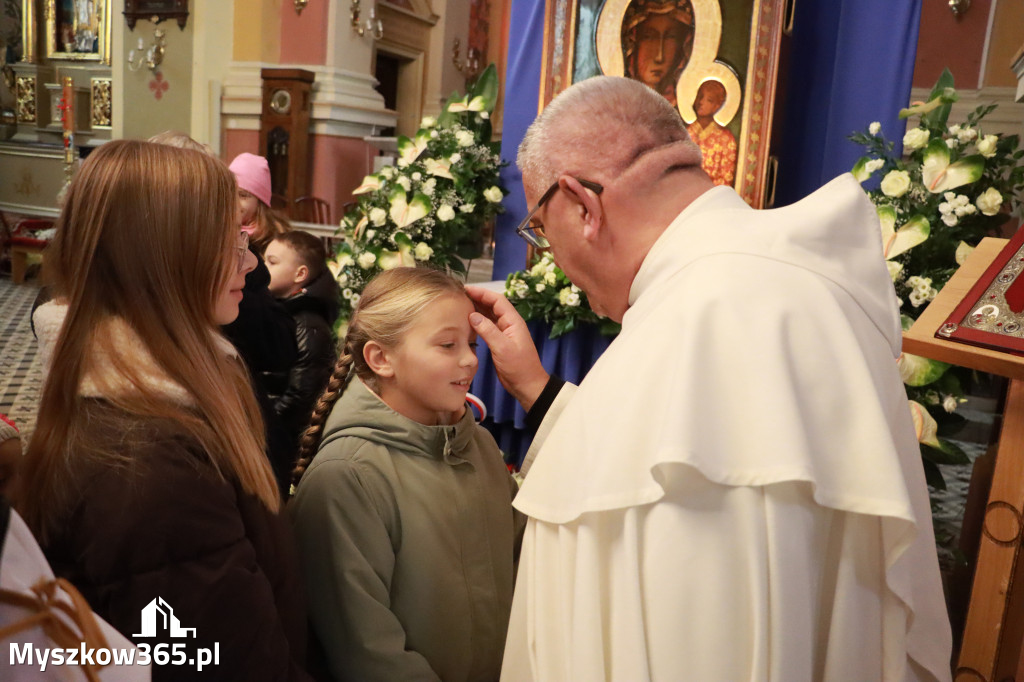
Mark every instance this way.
x=121 y=344
x=360 y=413
x=833 y=232
x=319 y=296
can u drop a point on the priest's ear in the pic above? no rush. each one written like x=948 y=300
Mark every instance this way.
x=588 y=204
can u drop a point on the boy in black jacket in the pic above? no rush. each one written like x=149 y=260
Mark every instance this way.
x=299 y=278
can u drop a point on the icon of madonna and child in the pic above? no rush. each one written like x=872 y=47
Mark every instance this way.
x=657 y=45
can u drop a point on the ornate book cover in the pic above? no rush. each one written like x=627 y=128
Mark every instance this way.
x=991 y=315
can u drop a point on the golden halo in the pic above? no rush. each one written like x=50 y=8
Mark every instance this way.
x=707 y=16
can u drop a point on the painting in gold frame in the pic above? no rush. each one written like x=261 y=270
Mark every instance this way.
x=721 y=55
x=78 y=30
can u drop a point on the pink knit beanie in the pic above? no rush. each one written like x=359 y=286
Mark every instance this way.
x=253 y=175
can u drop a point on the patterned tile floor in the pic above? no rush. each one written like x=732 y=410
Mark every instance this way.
x=20 y=371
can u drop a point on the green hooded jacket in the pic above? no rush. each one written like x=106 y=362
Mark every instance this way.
x=408 y=541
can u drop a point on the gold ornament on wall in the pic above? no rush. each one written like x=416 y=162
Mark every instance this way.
x=99 y=102
x=26 y=93
x=300 y=5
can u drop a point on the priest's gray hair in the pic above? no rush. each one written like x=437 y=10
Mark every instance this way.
x=596 y=129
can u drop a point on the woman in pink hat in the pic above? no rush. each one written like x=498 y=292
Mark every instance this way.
x=255 y=214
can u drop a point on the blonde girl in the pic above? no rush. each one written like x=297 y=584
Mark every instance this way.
x=404 y=520
x=254 y=197
x=145 y=477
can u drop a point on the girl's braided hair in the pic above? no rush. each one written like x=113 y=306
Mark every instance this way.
x=386 y=309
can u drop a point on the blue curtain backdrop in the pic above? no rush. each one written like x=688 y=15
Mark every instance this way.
x=850 y=63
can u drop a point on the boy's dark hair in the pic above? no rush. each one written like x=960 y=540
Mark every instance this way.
x=310 y=249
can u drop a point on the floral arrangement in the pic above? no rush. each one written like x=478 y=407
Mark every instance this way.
x=544 y=292
x=429 y=207
x=935 y=203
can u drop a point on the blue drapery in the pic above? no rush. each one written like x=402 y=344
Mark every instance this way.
x=522 y=90
x=851 y=63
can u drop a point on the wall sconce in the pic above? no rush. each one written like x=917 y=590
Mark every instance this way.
x=470 y=67
x=372 y=25
x=152 y=56
x=958 y=7
x=300 y=5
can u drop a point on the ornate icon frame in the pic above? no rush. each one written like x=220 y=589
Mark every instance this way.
x=582 y=38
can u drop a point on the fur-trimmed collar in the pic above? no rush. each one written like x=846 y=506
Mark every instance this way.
x=100 y=378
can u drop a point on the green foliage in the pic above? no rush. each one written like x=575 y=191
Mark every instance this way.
x=543 y=292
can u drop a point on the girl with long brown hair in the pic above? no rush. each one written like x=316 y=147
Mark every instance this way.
x=145 y=478
x=404 y=517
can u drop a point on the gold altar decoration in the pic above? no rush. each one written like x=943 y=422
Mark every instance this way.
x=26 y=94
x=733 y=45
x=82 y=34
x=28 y=28
x=99 y=102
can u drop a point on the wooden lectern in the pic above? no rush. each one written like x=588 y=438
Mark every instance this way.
x=994 y=630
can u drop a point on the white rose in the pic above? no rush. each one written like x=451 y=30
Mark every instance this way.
x=894 y=269
x=342 y=279
x=422 y=251
x=455 y=158
x=945 y=208
x=467 y=208
x=484 y=115
x=520 y=288
x=433 y=134
x=990 y=201
x=895 y=183
x=428 y=122
x=387 y=172
x=954 y=129
x=405 y=182
x=950 y=219
x=873 y=165
x=493 y=194
x=987 y=146
x=952 y=142
x=874 y=127
x=464 y=138
x=539 y=288
x=378 y=216
x=563 y=295
x=445 y=213
x=370 y=234
x=550 y=278
x=366 y=260
x=915 y=139
x=345 y=259
x=966 y=135
x=429 y=186
x=417 y=176
x=538 y=269
x=572 y=300
x=949 y=403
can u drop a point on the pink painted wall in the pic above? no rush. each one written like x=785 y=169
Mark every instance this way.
x=304 y=36
x=945 y=41
x=238 y=141
x=338 y=166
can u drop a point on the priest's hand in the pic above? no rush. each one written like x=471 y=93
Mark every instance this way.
x=515 y=357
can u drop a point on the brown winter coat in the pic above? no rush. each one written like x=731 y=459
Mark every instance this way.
x=167 y=525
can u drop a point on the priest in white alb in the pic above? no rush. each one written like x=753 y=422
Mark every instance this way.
x=734 y=492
